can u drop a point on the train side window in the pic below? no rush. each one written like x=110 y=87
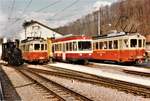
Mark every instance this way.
x=31 y=47
x=105 y=45
x=58 y=47
x=97 y=45
x=125 y=43
x=115 y=44
x=110 y=44
x=36 y=46
x=100 y=45
x=144 y=44
x=70 y=46
x=45 y=46
x=55 y=47
x=64 y=47
x=23 y=47
x=42 y=46
x=74 y=46
x=67 y=46
x=140 y=43
x=133 y=43
x=27 y=48
x=94 y=45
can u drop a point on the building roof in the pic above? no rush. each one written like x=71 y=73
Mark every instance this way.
x=29 y=23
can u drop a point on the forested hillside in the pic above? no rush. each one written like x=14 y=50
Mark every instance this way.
x=124 y=15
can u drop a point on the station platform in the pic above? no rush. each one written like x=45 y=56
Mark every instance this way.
x=99 y=72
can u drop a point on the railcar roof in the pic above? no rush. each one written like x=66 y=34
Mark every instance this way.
x=29 y=39
x=118 y=34
x=72 y=38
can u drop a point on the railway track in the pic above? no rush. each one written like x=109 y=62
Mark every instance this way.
x=57 y=91
x=1 y=92
x=137 y=73
x=135 y=89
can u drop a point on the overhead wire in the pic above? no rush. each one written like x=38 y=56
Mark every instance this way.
x=62 y=10
x=18 y=19
x=11 y=10
x=49 y=5
x=69 y=6
x=27 y=6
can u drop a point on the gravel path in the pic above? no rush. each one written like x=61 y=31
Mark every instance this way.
x=26 y=89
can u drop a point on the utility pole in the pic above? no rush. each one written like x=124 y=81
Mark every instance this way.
x=99 y=22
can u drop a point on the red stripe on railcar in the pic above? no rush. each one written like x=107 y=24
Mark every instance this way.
x=74 y=56
x=34 y=56
x=118 y=55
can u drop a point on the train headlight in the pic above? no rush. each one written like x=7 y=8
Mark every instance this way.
x=144 y=54
x=90 y=54
x=138 y=57
x=80 y=54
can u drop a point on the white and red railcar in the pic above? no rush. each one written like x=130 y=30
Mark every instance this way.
x=73 y=48
x=119 y=47
x=34 y=49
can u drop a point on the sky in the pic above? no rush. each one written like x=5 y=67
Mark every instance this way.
x=53 y=13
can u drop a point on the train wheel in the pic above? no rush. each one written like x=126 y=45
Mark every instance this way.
x=140 y=61
x=86 y=62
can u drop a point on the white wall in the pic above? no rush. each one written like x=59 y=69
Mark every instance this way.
x=45 y=32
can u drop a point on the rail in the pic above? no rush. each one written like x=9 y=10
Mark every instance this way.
x=1 y=92
x=112 y=83
x=61 y=92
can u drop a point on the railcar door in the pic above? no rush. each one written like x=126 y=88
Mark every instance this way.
x=120 y=53
x=64 y=52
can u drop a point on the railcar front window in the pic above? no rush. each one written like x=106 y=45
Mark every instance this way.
x=45 y=46
x=140 y=43
x=42 y=46
x=74 y=46
x=84 y=45
x=37 y=47
x=125 y=43
x=144 y=44
x=133 y=43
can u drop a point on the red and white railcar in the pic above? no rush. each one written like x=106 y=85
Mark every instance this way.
x=120 y=47
x=34 y=49
x=73 y=48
